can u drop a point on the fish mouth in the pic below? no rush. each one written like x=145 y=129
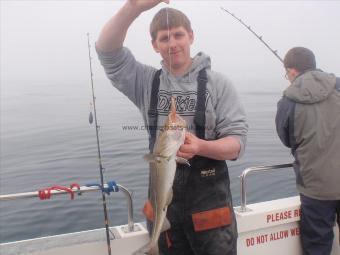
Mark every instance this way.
x=175 y=126
x=173 y=115
x=175 y=121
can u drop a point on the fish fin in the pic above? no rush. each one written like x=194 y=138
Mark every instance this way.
x=183 y=161
x=151 y=158
x=166 y=225
x=150 y=248
x=170 y=195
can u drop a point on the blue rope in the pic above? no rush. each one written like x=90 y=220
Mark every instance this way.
x=112 y=187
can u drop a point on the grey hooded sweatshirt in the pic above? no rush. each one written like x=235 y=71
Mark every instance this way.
x=225 y=116
x=308 y=122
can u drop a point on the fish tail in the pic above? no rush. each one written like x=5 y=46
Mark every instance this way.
x=150 y=249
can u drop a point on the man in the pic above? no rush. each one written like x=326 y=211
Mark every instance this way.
x=308 y=122
x=209 y=104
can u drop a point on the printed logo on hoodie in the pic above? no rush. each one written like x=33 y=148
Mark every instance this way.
x=185 y=102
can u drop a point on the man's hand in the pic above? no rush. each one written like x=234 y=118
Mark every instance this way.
x=226 y=148
x=144 y=5
x=191 y=146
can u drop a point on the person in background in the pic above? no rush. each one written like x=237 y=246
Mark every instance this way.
x=308 y=122
x=201 y=211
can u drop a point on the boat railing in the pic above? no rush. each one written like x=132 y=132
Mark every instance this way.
x=246 y=172
x=80 y=191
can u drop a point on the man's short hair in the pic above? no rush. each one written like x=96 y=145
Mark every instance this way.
x=167 y=18
x=300 y=58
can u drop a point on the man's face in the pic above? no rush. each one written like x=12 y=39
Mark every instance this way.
x=291 y=74
x=174 y=47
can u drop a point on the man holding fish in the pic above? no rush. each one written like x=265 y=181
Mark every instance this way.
x=190 y=208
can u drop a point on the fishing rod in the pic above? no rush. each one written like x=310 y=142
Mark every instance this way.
x=101 y=169
x=252 y=31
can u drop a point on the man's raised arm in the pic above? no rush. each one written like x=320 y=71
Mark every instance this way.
x=114 y=32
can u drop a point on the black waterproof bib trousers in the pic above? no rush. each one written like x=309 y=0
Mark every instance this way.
x=201 y=212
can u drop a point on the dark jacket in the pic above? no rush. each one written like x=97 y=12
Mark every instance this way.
x=308 y=122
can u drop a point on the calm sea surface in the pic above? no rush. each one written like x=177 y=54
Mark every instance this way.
x=46 y=140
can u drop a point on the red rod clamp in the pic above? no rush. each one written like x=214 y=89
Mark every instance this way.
x=46 y=193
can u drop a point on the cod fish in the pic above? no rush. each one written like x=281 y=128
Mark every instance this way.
x=162 y=173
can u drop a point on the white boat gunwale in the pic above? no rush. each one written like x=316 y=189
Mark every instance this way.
x=263 y=228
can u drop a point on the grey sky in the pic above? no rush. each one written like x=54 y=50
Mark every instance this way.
x=46 y=40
